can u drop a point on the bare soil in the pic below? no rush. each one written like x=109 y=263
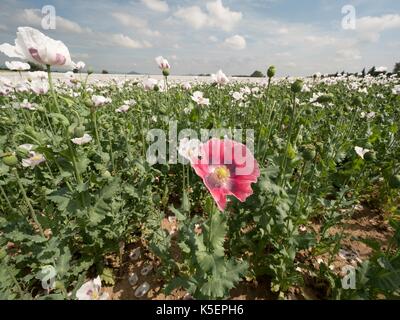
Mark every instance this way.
x=366 y=223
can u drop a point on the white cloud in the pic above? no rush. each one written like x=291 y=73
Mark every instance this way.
x=235 y=42
x=193 y=16
x=216 y=16
x=370 y=28
x=223 y=16
x=348 y=54
x=213 y=38
x=156 y=5
x=131 y=21
x=127 y=42
x=33 y=17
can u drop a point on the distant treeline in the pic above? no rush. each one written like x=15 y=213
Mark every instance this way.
x=374 y=72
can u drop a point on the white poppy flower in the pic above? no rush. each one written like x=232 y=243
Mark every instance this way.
x=220 y=78
x=83 y=140
x=34 y=160
x=100 y=100
x=80 y=65
x=130 y=102
x=33 y=46
x=186 y=86
x=149 y=84
x=199 y=99
x=91 y=290
x=361 y=152
x=17 y=65
x=163 y=63
x=238 y=96
x=39 y=86
x=396 y=90
x=122 y=109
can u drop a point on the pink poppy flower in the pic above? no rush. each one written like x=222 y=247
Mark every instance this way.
x=228 y=168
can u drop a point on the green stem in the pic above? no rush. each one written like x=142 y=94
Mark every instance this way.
x=33 y=214
x=52 y=88
x=94 y=121
x=5 y=196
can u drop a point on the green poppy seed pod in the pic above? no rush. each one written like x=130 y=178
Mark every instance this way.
x=22 y=152
x=297 y=86
x=308 y=153
x=370 y=156
x=79 y=131
x=90 y=71
x=89 y=103
x=271 y=72
x=165 y=72
x=394 y=182
x=357 y=101
x=325 y=98
x=10 y=160
x=308 y=110
x=156 y=88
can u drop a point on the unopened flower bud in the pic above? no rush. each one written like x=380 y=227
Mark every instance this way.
x=10 y=160
x=271 y=72
x=297 y=86
x=165 y=72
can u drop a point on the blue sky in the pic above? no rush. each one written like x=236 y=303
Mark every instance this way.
x=202 y=36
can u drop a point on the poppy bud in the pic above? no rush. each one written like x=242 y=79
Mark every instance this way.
x=394 y=182
x=370 y=156
x=22 y=152
x=308 y=153
x=10 y=160
x=156 y=88
x=271 y=71
x=79 y=131
x=297 y=86
x=325 y=98
x=357 y=101
x=89 y=103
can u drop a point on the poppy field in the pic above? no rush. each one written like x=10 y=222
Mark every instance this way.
x=285 y=186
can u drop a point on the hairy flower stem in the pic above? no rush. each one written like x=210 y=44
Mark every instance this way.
x=288 y=141
x=298 y=187
x=94 y=123
x=33 y=214
x=17 y=285
x=5 y=197
x=52 y=89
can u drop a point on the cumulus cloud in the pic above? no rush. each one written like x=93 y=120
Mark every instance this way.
x=216 y=15
x=370 y=27
x=156 y=5
x=193 y=16
x=127 y=42
x=33 y=17
x=134 y=22
x=348 y=54
x=235 y=42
